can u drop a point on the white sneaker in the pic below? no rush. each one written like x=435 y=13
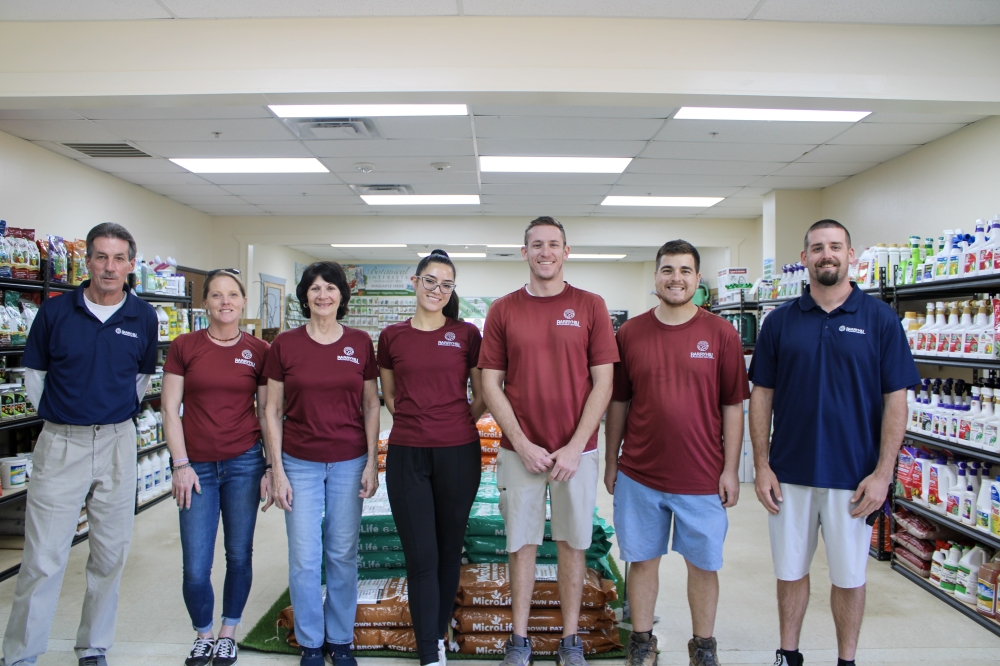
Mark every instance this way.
x=442 y=653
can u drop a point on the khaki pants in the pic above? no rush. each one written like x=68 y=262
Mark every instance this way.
x=73 y=466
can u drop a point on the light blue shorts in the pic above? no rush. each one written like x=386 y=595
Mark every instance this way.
x=643 y=517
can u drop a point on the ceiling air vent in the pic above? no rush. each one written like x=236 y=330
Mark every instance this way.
x=106 y=149
x=333 y=128
x=382 y=189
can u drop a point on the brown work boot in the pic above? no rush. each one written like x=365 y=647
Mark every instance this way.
x=641 y=653
x=702 y=652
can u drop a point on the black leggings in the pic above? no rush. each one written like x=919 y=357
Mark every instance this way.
x=431 y=491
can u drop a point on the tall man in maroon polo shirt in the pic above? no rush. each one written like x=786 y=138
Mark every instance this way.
x=678 y=405
x=547 y=359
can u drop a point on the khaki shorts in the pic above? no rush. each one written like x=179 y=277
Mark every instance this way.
x=522 y=502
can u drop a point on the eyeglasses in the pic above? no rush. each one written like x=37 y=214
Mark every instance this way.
x=234 y=271
x=430 y=284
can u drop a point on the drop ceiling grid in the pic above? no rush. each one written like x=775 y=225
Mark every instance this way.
x=672 y=158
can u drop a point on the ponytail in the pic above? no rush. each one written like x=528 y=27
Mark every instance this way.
x=450 y=310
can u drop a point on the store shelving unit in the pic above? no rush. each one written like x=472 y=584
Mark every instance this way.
x=742 y=308
x=45 y=287
x=948 y=289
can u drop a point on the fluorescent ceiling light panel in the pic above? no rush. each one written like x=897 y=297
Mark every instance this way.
x=573 y=255
x=457 y=255
x=528 y=164
x=367 y=244
x=251 y=165
x=366 y=110
x=421 y=199
x=794 y=115
x=683 y=202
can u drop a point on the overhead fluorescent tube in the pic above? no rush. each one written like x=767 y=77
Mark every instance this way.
x=527 y=164
x=794 y=115
x=573 y=255
x=251 y=165
x=367 y=244
x=366 y=110
x=421 y=199
x=457 y=255
x=684 y=202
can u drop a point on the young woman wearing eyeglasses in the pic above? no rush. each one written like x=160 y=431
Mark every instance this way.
x=434 y=461
x=218 y=459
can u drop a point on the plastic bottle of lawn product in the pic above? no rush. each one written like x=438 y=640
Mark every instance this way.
x=970 y=344
x=918 y=341
x=955 y=256
x=941 y=479
x=934 y=331
x=911 y=407
x=154 y=463
x=986 y=594
x=950 y=575
x=944 y=335
x=147 y=479
x=984 y=502
x=977 y=427
x=991 y=430
x=972 y=471
x=942 y=254
x=941 y=411
x=985 y=348
x=881 y=261
x=892 y=268
x=163 y=324
x=975 y=409
x=989 y=247
x=905 y=264
x=167 y=473
x=956 y=343
x=865 y=268
x=967 y=512
x=995 y=507
x=953 y=507
x=967 y=581
x=970 y=258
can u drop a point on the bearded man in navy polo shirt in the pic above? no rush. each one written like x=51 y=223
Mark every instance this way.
x=832 y=366
x=89 y=357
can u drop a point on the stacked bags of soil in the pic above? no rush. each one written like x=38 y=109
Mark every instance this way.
x=489 y=441
x=380 y=552
x=484 y=619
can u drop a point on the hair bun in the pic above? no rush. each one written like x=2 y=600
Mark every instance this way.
x=439 y=252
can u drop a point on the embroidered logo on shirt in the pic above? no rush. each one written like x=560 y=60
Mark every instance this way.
x=848 y=329
x=569 y=319
x=247 y=355
x=449 y=341
x=127 y=333
x=703 y=351
x=349 y=356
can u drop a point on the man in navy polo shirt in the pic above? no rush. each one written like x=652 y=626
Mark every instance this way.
x=833 y=366
x=89 y=356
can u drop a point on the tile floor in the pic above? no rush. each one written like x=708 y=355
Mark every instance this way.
x=903 y=625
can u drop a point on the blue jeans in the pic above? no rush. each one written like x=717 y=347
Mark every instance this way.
x=230 y=488
x=318 y=490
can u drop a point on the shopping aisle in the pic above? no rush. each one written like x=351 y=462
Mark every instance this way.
x=153 y=627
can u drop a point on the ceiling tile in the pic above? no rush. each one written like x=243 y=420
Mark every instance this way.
x=685 y=179
x=905 y=12
x=537 y=210
x=315 y=8
x=37 y=114
x=560 y=147
x=752 y=192
x=272 y=178
x=444 y=127
x=824 y=168
x=548 y=127
x=746 y=152
x=797 y=182
x=175 y=112
x=879 y=134
x=408 y=177
x=323 y=209
x=59 y=131
x=710 y=167
x=745 y=202
x=672 y=191
x=233 y=210
x=265 y=200
x=132 y=164
x=543 y=189
x=679 y=9
x=730 y=213
x=229 y=129
x=553 y=178
x=514 y=200
x=372 y=148
x=212 y=148
x=401 y=164
x=155 y=178
x=74 y=10
x=749 y=131
x=195 y=190
x=210 y=199
x=445 y=188
x=660 y=112
x=962 y=118
x=640 y=211
x=289 y=189
x=830 y=153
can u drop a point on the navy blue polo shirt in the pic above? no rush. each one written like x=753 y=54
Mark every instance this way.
x=829 y=372
x=91 y=366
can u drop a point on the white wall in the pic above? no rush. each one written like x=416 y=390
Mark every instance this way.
x=946 y=184
x=56 y=195
x=275 y=260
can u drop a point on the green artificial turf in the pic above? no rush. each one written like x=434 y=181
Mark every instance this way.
x=266 y=637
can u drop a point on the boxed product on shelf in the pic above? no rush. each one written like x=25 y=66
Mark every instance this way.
x=732 y=281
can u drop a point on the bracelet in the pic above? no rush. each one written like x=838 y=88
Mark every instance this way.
x=268 y=466
x=181 y=460
x=179 y=467
x=268 y=470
